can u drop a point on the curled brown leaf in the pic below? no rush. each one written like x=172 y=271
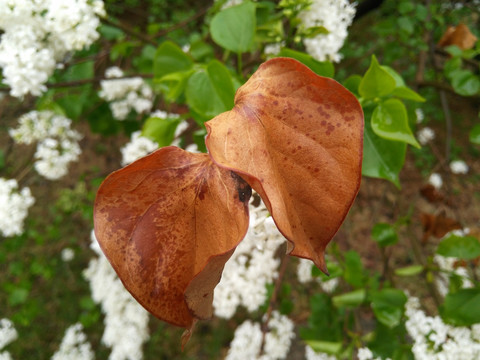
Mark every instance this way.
x=168 y=223
x=297 y=139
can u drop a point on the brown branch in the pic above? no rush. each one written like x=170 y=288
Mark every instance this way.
x=182 y=23
x=86 y=81
x=130 y=31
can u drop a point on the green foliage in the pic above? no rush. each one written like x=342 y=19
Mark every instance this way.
x=234 y=28
x=462 y=308
x=462 y=247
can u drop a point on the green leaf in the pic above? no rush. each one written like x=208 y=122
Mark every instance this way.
x=454 y=50
x=382 y=158
x=210 y=92
x=406 y=24
x=162 y=131
x=169 y=58
x=354 y=272
x=390 y=121
x=465 y=82
x=462 y=308
x=322 y=68
x=377 y=82
x=173 y=84
x=387 y=305
x=384 y=234
x=234 y=27
x=474 y=135
x=352 y=83
x=406 y=93
x=350 y=299
x=462 y=247
x=328 y=347
x=409 y=270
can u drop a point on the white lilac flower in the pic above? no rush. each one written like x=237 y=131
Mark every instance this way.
x=366 y=354
x=252 y=266
x=14 y=208
x=433 y=339
x=425 y=135
x=435 y=180
x=230 y=3
x=247 y=340
x=125 y=94
x=126 y=321
x=139 y=146
x=273 y=49
x=67 y=254
x=74 y=345
x=447 y=264
x=304 y=274
x=459 y=167
x=8 y=333
x=420 y=116
x=57 y=143
x=334 y=15
x=310 y=354
x=37 y=36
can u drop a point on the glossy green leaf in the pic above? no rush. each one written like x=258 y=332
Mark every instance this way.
x=475 y=134
x=462 y=308
x=465 y=82
x=234 y=27
x=387 y=305
x=173 y=84
x=328 y=347
x=406 y=93
x=390 y=121
x=384 y=234
x=322 y=68
x=170 y=58
x=350 y=299
x=377 y=82
x=162 y=131
x=409 y=270
x=352 y=83
x=382 y=158
x=462 y=247
x=210 y=92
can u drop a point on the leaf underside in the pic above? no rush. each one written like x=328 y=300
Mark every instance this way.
x=168 y=223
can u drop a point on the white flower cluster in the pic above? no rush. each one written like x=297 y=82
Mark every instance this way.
x=139 y=146
x=126 y=322
x=435 y=180
x=251 y=267
x=57 y=143
x=435 y=340
x=447 y=264
x=310 y=354
x=366 y=354
x=419 y=115
x=125 y=94
x=7 y=335
x=334 y=15
x=304 y=274
x=425 y=135
x=14 y=207
x=74 y=345
x=38 y=34
x=247 y=340
x=459 y=167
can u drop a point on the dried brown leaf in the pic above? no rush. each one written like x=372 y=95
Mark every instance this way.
x=168 y=223
x=297 y=139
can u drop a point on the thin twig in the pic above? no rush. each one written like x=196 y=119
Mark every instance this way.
x=130 y=31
